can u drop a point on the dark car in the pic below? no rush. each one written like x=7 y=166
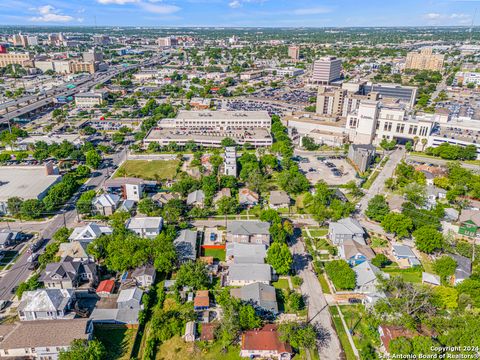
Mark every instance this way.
x=354 y=300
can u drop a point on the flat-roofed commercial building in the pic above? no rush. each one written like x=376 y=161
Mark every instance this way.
x=424 y=60
x=294 y=52
x=90 y=99
x=24 y=59
x=374 y=121
x=209 y=128
x=26 y=182
x=326 y=70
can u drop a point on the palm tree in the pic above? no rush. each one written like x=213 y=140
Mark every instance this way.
x=424 y=142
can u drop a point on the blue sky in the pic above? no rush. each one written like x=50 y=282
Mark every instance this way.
x=274 y=13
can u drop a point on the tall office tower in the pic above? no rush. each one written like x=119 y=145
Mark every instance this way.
x=92 y=56
x=424 y=60
x=326 y=69
x=32 y=40
x=101 y=39
x=294 y=52
x=167 y=41
x=19 y=40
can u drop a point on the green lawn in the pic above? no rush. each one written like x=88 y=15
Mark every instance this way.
x=218 y=254
x=118 y=342
x=318 y=232
x=409 y=275
x=361 y=324
x=176 y=348
x=323 y=284
x=148 y=169
x=342 y=335
x=281 y=284
x=379 y=243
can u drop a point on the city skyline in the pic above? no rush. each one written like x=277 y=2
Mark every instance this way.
x=239 y=13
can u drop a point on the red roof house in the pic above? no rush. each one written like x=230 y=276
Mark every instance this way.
x=265 y=343
x=105 y=287
x=390 y=332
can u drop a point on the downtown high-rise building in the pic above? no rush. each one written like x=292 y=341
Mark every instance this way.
x=294 y=52
x=326 y=70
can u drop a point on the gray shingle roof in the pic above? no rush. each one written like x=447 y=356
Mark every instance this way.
x=259 y=294
x=186 y=244
x=247 y=253
x=248 y=227
x=250 y=272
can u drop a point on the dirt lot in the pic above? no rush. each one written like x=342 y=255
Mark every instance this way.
x=322 y=172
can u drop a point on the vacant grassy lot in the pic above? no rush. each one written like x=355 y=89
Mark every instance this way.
x=118 y=342
x=176 y=348
x=281 y=284
x=409 y=275
x=218 y=254
x=364 y=331
x=318 y=232
x=342 y=335
x=149 y=169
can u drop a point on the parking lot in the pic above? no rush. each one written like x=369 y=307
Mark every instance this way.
x=334 y=171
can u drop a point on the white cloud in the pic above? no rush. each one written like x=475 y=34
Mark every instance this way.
x=312 y=11
x=49 y=14
x=235 y=4
x=448 y=19
x=117 y=2
x=159 y=9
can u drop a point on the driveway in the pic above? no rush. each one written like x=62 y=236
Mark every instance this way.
x=318 y=313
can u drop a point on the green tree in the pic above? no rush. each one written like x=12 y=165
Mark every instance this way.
x=84 y=350
x=31 y=209
x=279 y=257
x=227 y=205
x=342 y=276
x=193 y=274
x=397 y=224
x=380 y=260
x=247 y=318
x=428 y=239
x=84 y=203
x=444 y=266
x=299 y=335
x=148 y=207
x=377 y=208
x=401 y=346
x=14 y=205
x=93 y=159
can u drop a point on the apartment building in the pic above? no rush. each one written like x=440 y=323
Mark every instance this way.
x=339 y=101
x=326 y=70
x=294 y=52
x=230 y=164
x=466 y=78
x=166 y=41
x=24 y=59
x=374 y=121
x=424 y=60
x=79 y=67
x=92 y=56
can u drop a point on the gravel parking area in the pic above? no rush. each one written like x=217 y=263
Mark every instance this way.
x=316 y=170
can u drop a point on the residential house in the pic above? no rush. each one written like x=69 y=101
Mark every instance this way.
x=367 y=277
x=249 y=231
x=433 y=194
x=190 y=331
x=225 y=192
x=123 y=310
x=208 y=331
x=126 y=206
x=43 y=340
x=346 y=229
x=230 y=163
x=405 y=256
x=162 y=198
x=240 y=253
x=469 y=222
x=196 y=198
x=8 y=238
x=265 y=343
x=429 y=177
x=261 y=296
x=89 y=232
x=45 y=304
x=463 y=270
x=146 y=227
x=106 y=204
x=201 y=300
x=430 y=279
x=279 y=199
x=245 y=274
x=354 y=252
x=68 y=274
x=186 y=245
x=144 y=275
x=128 y=187
x=76 y=250
x=130 y=298
x=247 y=197
x=105 y=288
x=451 y=214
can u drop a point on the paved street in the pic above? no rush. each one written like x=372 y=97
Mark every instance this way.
x=378 y=186
x=441 y=162
x=317 y=305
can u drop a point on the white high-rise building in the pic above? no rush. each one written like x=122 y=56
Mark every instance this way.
x=326 y=69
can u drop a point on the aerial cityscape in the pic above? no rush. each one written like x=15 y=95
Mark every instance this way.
x=239 y=179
